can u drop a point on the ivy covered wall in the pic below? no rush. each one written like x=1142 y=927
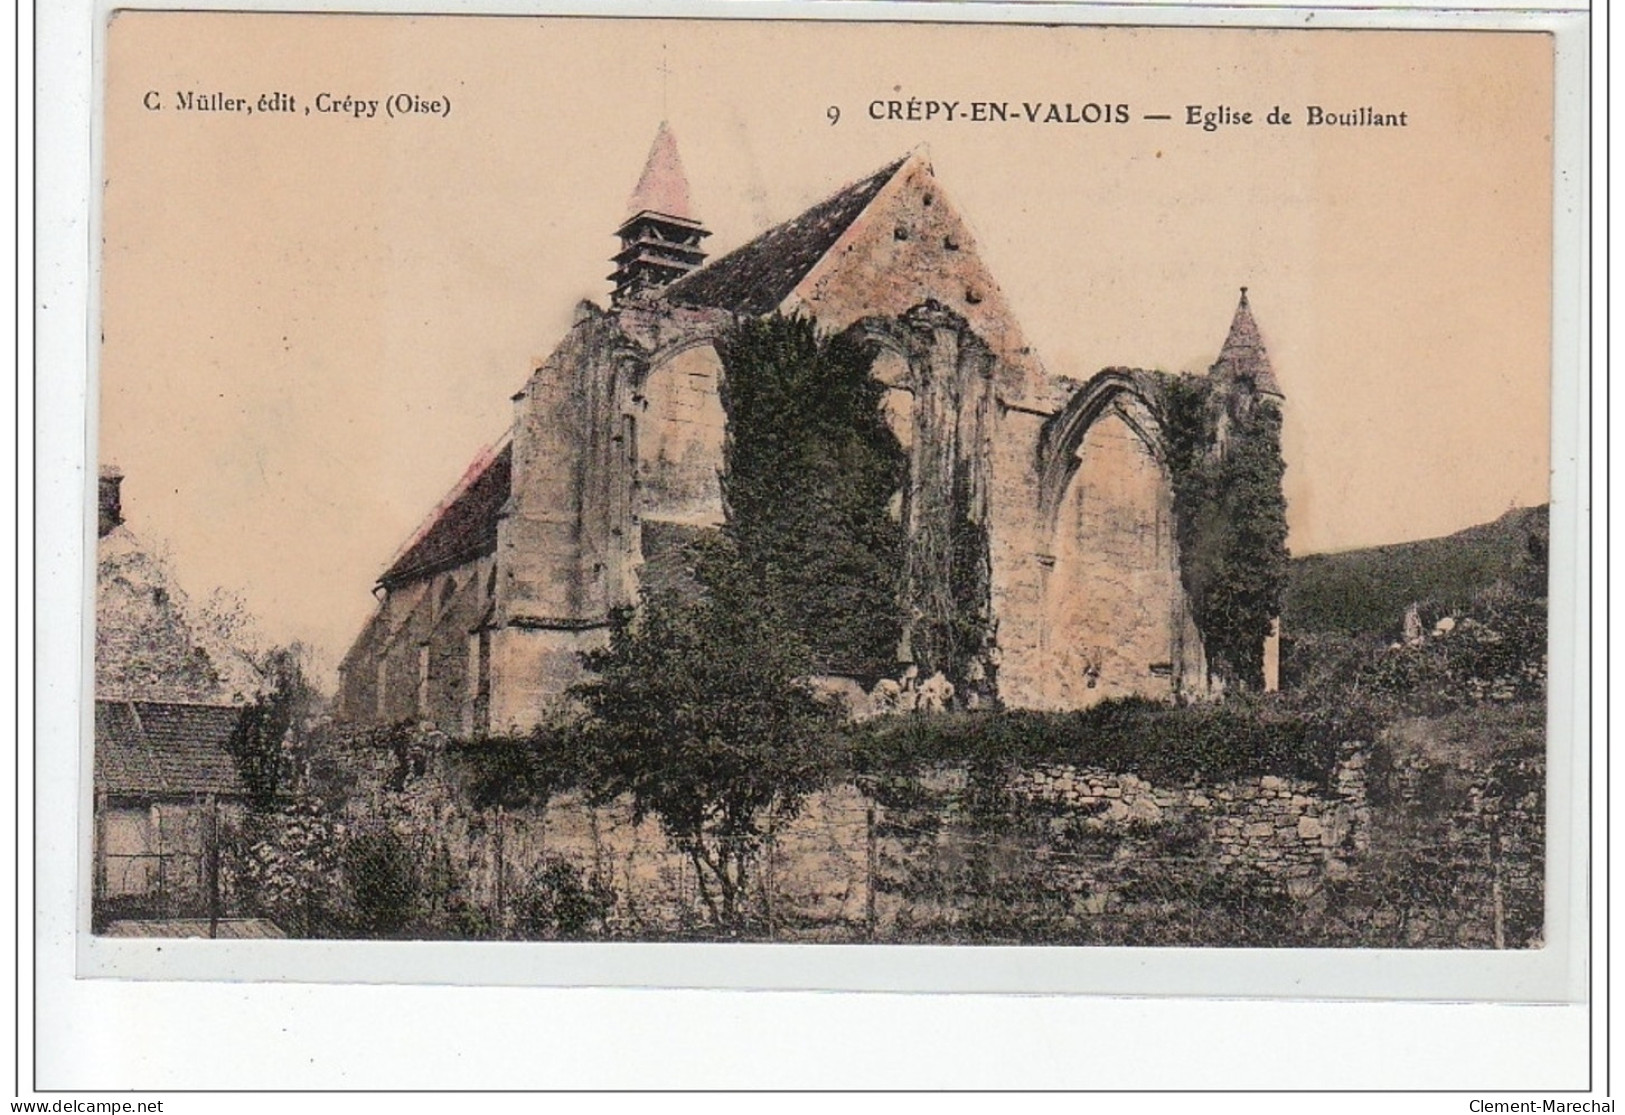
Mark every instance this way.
x=1223 y=446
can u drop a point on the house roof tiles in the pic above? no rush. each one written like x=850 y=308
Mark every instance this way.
x=159 y=749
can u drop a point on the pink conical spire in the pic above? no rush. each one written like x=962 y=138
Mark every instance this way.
x=663 y=188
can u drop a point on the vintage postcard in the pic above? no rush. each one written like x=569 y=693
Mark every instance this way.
x=819 y=482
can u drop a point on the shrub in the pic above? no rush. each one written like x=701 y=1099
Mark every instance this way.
x=1230 y=517
x=518 y=772
x=283 y=866
x=562 y=903
x=698 y=714
x=810 y=468
x=380 y=877
x=1160 y=742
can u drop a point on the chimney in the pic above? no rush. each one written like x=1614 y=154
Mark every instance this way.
x=109 y=511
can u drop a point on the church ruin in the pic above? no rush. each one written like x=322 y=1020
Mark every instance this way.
x=612 y=464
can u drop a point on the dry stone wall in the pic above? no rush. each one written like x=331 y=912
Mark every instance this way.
x=1286 y=833
x=855 y=862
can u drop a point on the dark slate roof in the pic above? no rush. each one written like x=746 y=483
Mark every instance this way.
x=157 y=749
x=465 y=527
x=758 y=277
x=1243 y=356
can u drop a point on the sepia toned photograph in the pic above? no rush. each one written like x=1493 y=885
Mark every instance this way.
x=710 y=480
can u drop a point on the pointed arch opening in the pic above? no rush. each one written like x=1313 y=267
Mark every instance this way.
x=1113 y=618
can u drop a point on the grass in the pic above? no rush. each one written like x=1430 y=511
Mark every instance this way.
x=1361 y=592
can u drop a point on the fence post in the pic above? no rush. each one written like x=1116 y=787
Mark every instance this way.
x=98 y=902
x=163 y=860
x=1497 y=898
x=871 y=857
x=501 y=868
x=767 y=874
x=211 y=864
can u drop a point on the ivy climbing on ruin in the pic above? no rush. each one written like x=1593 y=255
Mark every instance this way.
x=810 y=467
x=1223 y=445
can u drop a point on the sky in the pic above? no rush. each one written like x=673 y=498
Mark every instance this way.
x=311 y=322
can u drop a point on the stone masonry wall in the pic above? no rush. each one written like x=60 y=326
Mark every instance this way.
x=1285 y=832
x=814 y=877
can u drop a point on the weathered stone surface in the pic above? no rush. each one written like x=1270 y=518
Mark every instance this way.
x=622 y=428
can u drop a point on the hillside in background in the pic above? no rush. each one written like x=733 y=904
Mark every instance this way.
x=1358 y=592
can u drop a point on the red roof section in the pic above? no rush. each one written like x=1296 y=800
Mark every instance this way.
x=463 y=527
x=663 y=187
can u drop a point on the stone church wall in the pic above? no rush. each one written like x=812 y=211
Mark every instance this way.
x=1112 y=584
x=680 y=427
x=415 y=658
x=565 y=542
x=620 y=435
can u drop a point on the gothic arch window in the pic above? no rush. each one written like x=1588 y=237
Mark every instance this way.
x=1112 y=595
x=679 y=438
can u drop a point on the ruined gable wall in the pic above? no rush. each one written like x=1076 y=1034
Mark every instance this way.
x=911 y=247
x=563 y=545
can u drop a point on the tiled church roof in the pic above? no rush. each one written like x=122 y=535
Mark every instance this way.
x=463 y=527
x=758 y=277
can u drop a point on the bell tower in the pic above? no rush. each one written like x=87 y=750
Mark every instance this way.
x=660 y=237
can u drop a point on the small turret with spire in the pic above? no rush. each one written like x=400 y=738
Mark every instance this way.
x=1241 y=375
x=1242 y=360
x=660 y=237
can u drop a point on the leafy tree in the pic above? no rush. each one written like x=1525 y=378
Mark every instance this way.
x=258 y=741
x=283 y=865
x=811 y=468
x=562 y=903
x=699 y=714
x=699 y=709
